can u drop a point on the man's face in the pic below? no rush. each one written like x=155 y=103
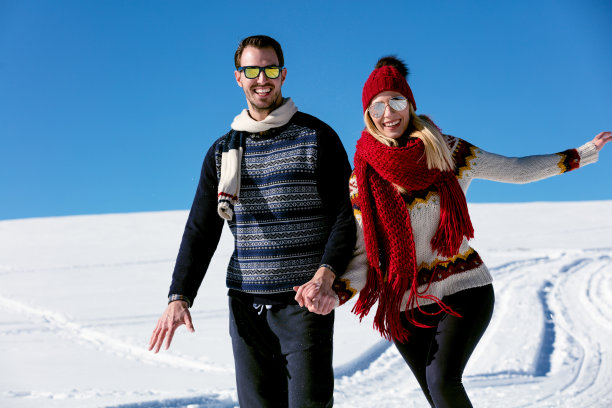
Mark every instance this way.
x=262 y=93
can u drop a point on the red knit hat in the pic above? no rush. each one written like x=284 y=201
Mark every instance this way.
x=385 y=78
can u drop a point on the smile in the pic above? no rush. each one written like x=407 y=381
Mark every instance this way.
x=391 y=124
x=263 y=91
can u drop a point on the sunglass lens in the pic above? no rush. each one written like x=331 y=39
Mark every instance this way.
x=398 y=104
x=272 y=72
x=377 y=109
x=251 y=72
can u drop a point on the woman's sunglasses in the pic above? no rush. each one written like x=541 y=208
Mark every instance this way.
x=397 y=103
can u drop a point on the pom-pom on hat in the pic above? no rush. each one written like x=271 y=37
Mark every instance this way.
x=385 y=78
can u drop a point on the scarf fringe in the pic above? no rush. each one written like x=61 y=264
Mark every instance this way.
x=229 y=182
x=389 y=296
x=455 y=223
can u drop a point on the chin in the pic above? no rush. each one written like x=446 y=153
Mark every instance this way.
x=393 y=135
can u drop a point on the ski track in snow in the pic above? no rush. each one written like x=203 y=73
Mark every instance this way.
x=569 y=348
x=63 y=326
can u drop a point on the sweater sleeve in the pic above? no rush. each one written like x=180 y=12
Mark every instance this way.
x=201 y=236
x=333 y=172
x=473 y=162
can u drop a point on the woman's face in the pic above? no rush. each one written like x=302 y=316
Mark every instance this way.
x=392 y=123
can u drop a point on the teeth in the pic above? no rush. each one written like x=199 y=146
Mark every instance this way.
x=263 y=91
x=392 y=123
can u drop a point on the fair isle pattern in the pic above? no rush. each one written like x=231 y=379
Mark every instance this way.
x=464 y=154
x=569 y=160
x=343 y=290
x=441 y=269
x=440 y=276
x=279 y=225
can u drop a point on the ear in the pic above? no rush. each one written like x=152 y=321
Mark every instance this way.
x=283 y=75
x=238 y=78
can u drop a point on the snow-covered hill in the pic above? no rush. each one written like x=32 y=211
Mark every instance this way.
x=79 y=297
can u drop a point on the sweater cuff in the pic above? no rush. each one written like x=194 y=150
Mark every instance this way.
x=173 y=298
x=588 y=153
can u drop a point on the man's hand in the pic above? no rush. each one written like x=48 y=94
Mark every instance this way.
x=175 y=315
x=317 y=294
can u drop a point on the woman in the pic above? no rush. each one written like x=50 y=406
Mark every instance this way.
x=434 y=293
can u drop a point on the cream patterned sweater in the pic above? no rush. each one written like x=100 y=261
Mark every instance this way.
x=440 y=276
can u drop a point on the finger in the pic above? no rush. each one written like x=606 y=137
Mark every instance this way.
x=307 y=292
x=160 y=341
x=152 y=340
x=188 y=322
x=319 y=305
x=170 y=336
x=328 y=306
x=298 y=296
x=153 y=336
x=314 y=305
x=327 y=301
x=312 y=297
x=308 y=302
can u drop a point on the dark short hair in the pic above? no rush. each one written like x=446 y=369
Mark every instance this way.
x=393 y=61
x=259 y=41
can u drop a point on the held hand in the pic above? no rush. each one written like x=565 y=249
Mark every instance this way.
x=317 y=294
x=601 y=139
x=175 y=315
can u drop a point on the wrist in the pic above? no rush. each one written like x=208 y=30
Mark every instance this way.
x=179 y=298
x=326 y=274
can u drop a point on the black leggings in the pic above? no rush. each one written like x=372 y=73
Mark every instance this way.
x=438 y=355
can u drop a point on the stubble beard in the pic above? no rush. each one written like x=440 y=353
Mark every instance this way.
x=267 y=109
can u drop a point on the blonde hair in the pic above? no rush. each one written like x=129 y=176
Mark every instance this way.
x=437 y=152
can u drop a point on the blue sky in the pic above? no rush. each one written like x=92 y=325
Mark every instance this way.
x=109 y=106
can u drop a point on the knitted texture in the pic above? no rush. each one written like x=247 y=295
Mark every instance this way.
x=278 y=117
x=437 y=275
x=387 y=229
x=231 y=159
x=279 y=225
x=382 y=79
x=229 y=180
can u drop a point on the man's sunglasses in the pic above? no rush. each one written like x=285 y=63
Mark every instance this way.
x=271 y=71
x=397 y=103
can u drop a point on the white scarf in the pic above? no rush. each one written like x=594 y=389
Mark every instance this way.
x=278 y=117
x=231 y=157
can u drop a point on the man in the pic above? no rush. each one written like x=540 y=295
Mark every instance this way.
x=280 y=179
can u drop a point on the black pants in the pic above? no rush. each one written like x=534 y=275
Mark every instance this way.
x=438 y=355
x=282 y=355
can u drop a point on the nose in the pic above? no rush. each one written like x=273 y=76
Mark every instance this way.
x=389 y=109
x=261 y=78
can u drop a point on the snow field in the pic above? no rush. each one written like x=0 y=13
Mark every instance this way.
x=79 y=297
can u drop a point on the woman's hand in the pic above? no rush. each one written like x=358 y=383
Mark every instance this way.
x=601 y=139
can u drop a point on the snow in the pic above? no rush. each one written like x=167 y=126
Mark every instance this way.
x=80 y=295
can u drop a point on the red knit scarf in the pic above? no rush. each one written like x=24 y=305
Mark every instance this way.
x=388 y=231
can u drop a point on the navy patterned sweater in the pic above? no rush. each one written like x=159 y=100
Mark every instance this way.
x=294 y=213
